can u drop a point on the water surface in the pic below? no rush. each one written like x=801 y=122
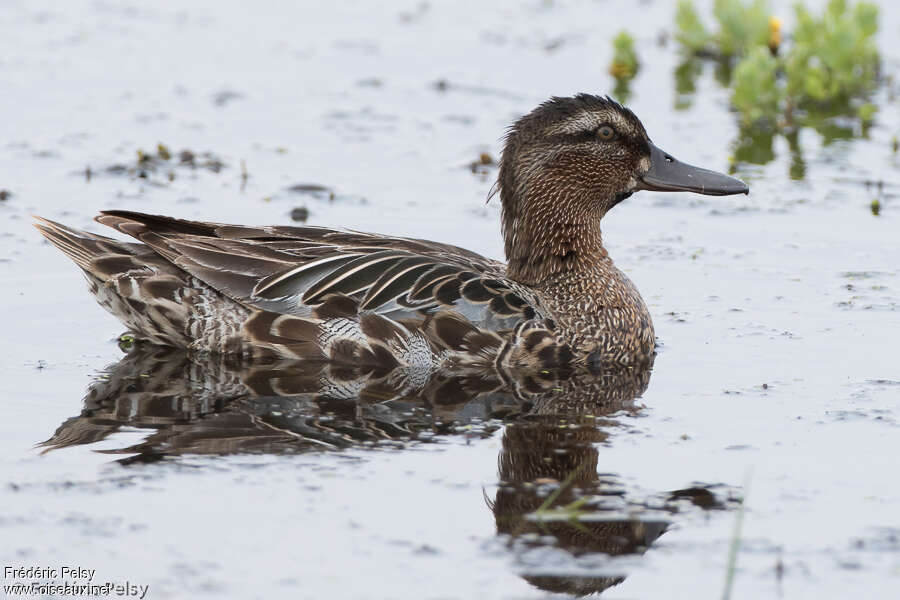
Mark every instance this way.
x=777 y=380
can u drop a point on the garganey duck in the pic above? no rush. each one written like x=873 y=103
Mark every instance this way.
x=367 y=299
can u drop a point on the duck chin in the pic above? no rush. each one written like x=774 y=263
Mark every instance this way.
x=618 y=198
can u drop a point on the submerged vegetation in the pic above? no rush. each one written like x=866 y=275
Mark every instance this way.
x=822 y=75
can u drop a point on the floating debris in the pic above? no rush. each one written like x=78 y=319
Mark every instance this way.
x=300 y=214
x=126 y=342
x=5 y=195
x=875 y=207
x=160 y=167
x=483 y=164
x=204 y=160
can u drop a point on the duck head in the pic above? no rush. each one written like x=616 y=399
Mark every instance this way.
x=569 y=161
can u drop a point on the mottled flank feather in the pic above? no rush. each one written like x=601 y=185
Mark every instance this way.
x=299 y=293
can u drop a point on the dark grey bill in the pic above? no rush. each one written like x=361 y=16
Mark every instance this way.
x=667 y=174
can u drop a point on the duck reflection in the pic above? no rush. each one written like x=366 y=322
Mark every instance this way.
x=214 y=405
x=556 y=505
x=552 y=492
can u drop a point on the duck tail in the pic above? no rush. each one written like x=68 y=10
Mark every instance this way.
x=129 y=280
x=82 y=247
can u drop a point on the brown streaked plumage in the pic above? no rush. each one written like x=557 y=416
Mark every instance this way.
x=357 y=298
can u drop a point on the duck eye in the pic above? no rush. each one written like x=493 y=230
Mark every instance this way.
x=606 y=133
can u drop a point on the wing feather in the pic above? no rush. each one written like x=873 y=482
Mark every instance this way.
x=292 y=270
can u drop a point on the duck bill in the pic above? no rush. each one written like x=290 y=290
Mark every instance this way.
x=668 y=174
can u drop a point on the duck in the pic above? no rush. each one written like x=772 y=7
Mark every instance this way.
x=347 y=297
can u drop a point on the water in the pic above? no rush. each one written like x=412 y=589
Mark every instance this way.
x=777 y=380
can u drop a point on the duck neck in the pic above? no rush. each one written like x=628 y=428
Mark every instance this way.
x=551 y=234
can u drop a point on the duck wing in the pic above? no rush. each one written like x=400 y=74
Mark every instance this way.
x=295 y=270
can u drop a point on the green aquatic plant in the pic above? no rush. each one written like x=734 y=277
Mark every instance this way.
x=686 y=75
x=823 y=79
x=624 y=65
x=162 y=151
x=741 y=26
x=571 y=512
x=833 y=58
x=830 y=68
x=735 y=545
x=755 y=145
x=797 y=169
x=756 y=93
x=625 y=62
x=833 y=61
x=875 y=207
x=690 y=31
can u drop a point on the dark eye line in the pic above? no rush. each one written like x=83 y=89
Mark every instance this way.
x=588 y=135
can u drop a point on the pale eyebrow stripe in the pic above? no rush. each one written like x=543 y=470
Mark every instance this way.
x=583 y=121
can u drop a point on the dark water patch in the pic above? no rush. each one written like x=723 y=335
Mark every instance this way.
x=360 y=125
x=370 y=82
x=224 y=97
x=885 y=539
x=885 y=382
x=98 y=486
x=874 y=414
x=445 y=86
x=866 y=291
x=151 y=118
x=315 y=190
x=857 y=275
x=46 y=153
x=312 y=192
x=461 y=119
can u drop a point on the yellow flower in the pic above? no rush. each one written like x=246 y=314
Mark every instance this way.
x=774 y=34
